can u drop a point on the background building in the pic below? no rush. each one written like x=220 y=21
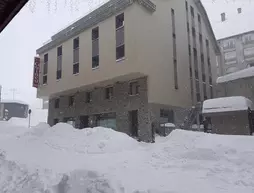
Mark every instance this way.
x=128 y=66
x=236 y=41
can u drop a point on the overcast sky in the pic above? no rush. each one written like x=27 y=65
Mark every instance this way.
x=38 y=21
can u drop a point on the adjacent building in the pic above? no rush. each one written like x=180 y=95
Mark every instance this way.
x=236 y=41
x=130 y=65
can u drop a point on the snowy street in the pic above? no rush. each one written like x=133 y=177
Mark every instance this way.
x=63 y=160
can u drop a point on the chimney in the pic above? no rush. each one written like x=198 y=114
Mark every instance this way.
x=223 y=17
x=239 y=10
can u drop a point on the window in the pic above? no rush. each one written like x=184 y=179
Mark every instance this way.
x=192 y=11
x=211 y=91
x=120 y=52
x=249 y=52
x=95 y=48
x=249 y=38
x=95 y=61
x=120 y=44
x=59 y=51
x=95 y=33
x=168 y=114
x=76 y=43
x=174 y=48
x=76 y=68
x=76 y=55
x=186 y=6
x=210 y=80
x=198 y=97
x=45 y=70
x=204 y=89
x=109 y=92
x=203 y=77
x=199 y=18
x=59 y=63
x=88 y=97
x=120 y=21
x=134 y=88
x=228 y=44
x=57 y=103
x=71 y=101
x=230 y=55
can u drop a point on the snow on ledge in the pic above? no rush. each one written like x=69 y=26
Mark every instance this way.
x=248 y=72
x=227 y=104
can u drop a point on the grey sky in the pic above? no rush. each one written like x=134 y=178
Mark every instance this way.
x=37 y=22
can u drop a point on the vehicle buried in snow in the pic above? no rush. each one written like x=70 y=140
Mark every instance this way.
x=230 y=115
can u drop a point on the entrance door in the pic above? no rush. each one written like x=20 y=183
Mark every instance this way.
x=84 y=122
x=133 y=121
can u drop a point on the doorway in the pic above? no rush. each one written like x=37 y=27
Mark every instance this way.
x=84 y=122
x=133 y=121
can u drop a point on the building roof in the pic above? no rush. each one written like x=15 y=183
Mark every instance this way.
x=235 y=24
x=227 y=104
x=245 y=73
x=105 y=11
x=8 y=9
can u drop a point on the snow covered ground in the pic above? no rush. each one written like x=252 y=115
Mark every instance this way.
x=99 y=160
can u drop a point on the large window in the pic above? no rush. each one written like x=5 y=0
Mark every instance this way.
x=174 y=48
x=120 y=44
x=95 y=48
x=59 y=63
x=45 y=70
x=76 y=55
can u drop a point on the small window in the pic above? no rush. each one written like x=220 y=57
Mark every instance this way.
x=45 y=79
x=120 y=21
x=120 y=52
x=203 y=77
x=199 y=18
x=134 y=88
x=169 y=114
x=210 y=80
x=95 y=33
x=95 y=61
x=192 y=11
x=76 y=68
x=58 y=74
x=186 y=5
x=71 y=101
x=59 y=51
x=45 y=58
x=88 y=97
x=198 y=97
x=76 y=43
x=57 y=103
x=109 y=92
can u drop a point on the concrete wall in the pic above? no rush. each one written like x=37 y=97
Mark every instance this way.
x=149 y=49
x=241 y=87
x=235 y=123
x=121 y=104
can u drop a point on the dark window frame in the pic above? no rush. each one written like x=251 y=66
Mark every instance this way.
x=71 y=101
x=88 y=97
x=109 y=92
x=134 y=88
x=57 y=103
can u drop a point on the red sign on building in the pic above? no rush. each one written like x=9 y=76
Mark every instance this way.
x=36 y=72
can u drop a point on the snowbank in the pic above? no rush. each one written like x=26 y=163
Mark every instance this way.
x=63 y=160
x=248 y=72
x=227 y=104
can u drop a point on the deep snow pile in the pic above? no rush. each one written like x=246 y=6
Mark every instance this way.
x=63 y=160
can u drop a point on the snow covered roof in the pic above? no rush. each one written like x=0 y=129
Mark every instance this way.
x=228 y=28
x=245 y=73
x=227 y=104
x=14 y=101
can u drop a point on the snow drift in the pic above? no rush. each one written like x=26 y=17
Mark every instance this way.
x=63 y=160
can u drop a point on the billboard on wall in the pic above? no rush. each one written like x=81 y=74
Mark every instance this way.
x=36 y=72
